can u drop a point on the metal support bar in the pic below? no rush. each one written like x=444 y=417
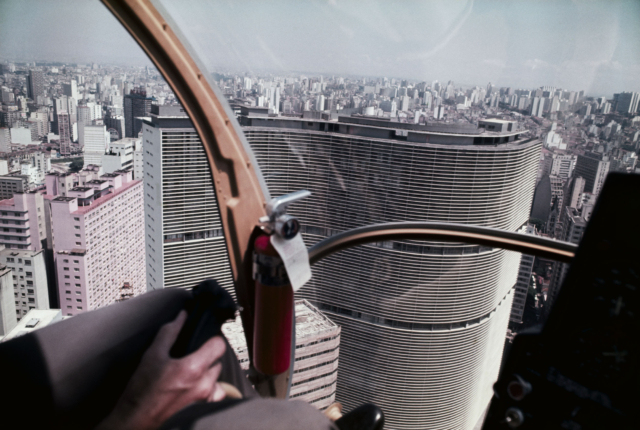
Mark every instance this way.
x=445 y=232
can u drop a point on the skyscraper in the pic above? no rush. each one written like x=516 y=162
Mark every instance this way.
x=35 y=84
x=185 y=243
x=419 y=319
x=627 y=102
x=64 y=133
x=95 y=140
x=593 y=167
x=71 y=89
x=524 y=278
x=136 y=105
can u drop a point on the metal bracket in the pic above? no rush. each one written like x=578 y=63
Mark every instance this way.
x=277 y=219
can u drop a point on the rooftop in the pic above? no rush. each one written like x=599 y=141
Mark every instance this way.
x=106 y=198
x=309 y=322
x=33 y=320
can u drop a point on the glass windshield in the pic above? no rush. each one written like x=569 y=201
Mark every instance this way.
x=505 y=116
x=508 y=116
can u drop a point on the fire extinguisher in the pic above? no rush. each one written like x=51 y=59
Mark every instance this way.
x=274 y=338
x=273 y=310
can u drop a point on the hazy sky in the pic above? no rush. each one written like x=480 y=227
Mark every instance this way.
x=590 y=45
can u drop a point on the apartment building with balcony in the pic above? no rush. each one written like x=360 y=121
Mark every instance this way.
x=23 y=238
x=99 y=242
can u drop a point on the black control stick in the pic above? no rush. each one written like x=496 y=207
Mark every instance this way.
x=209 y=308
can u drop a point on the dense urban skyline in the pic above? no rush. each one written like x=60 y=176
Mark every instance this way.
x=594 y=45
x=498 y=117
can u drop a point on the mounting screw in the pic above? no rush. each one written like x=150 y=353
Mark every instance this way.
x=514 y=417
x=518 y=388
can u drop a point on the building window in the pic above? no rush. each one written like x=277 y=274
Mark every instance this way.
x=27 y=262
x=65 y=261
x=32 y=300
x=77 y=277
x=79 y=308
x=76 y=261
x=66 y=269
x=78 y=243
x=78 y=285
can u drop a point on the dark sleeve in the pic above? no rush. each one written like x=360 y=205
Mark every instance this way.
x=252 y=414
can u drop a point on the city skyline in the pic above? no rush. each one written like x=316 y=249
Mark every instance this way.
x=522 y=46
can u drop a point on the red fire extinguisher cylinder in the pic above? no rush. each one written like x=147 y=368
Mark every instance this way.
x=273 y=310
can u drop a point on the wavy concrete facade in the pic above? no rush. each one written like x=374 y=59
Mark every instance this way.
x=423 y=323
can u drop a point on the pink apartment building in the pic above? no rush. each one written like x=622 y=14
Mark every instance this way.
x=98 y=240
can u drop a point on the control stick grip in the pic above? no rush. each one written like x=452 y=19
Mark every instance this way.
x=209 y=308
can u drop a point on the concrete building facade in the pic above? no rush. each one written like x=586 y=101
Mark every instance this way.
x=593 y=167
x=98 y=242
x=315 y=371
x=8 y=319
x=136 y=104
x=524 y=279
x=120 y=155
x=29 y=274
x=95 y=139
x=183 y=231
x=430 y=300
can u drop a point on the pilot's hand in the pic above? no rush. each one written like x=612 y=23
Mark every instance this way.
x=162 y=385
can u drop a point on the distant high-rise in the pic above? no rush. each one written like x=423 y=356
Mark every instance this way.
x=563 y=165
x=95 y=141
x=573 y=226
x=185 y=243
x=523 y=281
x=534 y=106
x=627 y=102
x=136 y=105
x=65 y=133
x=593 y=167
x=71 y=89
x=35 y=84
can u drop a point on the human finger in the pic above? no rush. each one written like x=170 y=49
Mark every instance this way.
x=207 y=354
x=218 y=393
x=206 y=385
x=169 y=332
